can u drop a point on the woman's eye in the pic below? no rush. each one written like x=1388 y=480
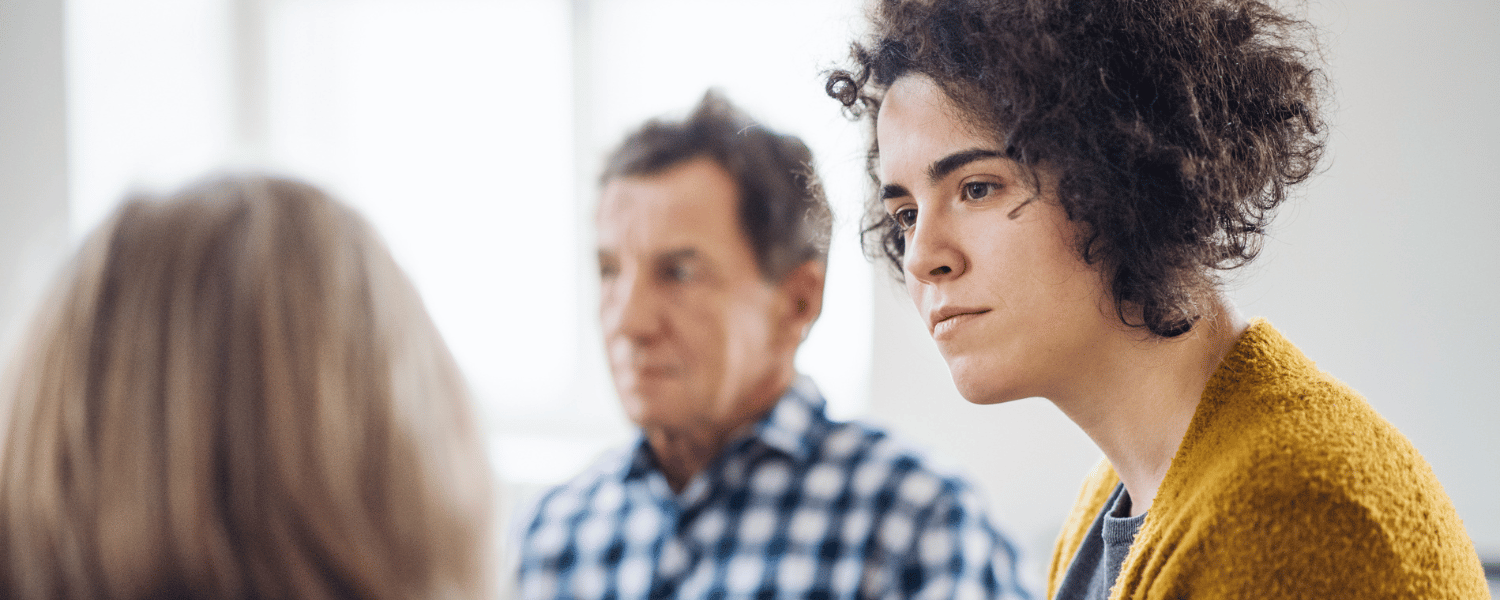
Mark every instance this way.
x=978 y=189
x=905 y=218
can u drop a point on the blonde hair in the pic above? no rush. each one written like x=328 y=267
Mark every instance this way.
x=235 y=393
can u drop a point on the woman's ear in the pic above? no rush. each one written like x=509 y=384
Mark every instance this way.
x=802 y=291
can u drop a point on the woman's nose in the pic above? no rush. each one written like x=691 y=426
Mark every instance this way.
x=931 y=253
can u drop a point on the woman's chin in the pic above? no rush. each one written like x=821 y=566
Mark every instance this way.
x=983 y=385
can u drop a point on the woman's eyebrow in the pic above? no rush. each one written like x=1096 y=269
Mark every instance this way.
x=948 y=164
x=893 y=191
x=941 y=168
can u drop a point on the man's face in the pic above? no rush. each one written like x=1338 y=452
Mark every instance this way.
x=697 y=339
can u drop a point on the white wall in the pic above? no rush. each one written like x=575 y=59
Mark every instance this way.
x=33 y=154
x=151 y=98
x=1384 y=271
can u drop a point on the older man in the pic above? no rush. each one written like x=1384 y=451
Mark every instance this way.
x=713 y=243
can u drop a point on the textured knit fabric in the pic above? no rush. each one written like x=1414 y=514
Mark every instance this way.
x=1097 y=563
x=1287 y=485
x=802 y=508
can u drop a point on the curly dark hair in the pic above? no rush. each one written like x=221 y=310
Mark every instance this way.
x=783 y=210
x=1174 y=127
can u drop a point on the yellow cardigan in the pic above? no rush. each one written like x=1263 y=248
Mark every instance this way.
x=1287 y=485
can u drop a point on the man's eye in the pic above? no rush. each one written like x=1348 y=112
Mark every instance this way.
x=608 y=271
x=905 y=218
x=979 y=189
x=678 y=272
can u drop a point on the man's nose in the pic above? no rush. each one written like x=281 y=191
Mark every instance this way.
x=631 y=307
x=931 y=252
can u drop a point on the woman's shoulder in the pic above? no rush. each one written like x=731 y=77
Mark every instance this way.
x=1308 y=520
x=1271 y=417
x=1288 y=469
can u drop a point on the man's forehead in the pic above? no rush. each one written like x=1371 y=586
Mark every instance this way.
x=651 y=224
x=690 y=206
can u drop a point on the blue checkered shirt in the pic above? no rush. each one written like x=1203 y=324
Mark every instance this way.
x=803 y=507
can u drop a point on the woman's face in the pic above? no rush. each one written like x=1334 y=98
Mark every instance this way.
x=990 y=260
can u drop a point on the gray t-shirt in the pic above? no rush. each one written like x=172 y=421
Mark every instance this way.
x=1097 y=564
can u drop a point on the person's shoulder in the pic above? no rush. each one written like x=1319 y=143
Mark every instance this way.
x=1287 y=470
x=1317 y=533
x=1289 y=438
x=885 y=463
x=1271 y=418
x=1334 y=497
x=567 y=499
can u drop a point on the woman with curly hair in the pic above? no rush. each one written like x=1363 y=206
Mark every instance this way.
x=234 y=393
x=1062 y=184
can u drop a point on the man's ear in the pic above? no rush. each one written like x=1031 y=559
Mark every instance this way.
x=802 y=290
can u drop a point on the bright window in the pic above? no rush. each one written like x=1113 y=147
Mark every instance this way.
x=470 y=133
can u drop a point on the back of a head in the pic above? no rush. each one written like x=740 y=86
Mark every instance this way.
x=235 y=393
x=783 y=210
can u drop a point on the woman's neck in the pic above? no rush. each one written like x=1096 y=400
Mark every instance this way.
x=1137 y=397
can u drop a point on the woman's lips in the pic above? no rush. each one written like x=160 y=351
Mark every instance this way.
x=952 y=320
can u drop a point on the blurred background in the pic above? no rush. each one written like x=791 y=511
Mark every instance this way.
x=470 y=132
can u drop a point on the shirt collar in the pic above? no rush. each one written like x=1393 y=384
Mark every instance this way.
x=796 y=424
x=793 y=427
